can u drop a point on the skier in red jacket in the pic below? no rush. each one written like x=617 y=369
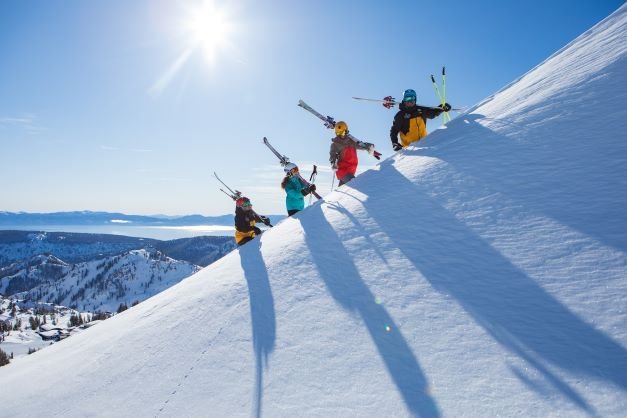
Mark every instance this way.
x=343 y=153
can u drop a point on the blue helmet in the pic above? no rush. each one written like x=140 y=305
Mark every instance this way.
x=409 y=95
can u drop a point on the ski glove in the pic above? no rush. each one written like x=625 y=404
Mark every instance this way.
x=265 y=220
x=370 y=148
x=445 y=107
x=309 y=189
x=257 y=231
x=396 y=146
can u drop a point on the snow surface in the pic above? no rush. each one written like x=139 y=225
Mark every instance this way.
x=481 y=274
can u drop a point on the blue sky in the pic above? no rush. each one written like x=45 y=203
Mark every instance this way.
x=109 y=105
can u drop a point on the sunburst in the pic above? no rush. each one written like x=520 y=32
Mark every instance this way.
x=206 y=28
x=209 y=29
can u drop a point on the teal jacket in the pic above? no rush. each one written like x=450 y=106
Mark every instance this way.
x=294 y=199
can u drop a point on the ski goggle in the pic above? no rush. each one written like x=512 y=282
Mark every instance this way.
x=409 y=99
x=247 y=205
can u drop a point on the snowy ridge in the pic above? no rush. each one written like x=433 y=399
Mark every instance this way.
x=16 y=246
x=99 y=285
x=481 y=274
x=608 y=34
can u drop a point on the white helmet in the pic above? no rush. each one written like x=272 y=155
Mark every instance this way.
x=289 y=167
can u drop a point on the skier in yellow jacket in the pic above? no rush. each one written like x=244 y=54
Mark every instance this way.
x=245 y=220
x=411 y=120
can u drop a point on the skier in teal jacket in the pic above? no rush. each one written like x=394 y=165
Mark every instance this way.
x=296 y=189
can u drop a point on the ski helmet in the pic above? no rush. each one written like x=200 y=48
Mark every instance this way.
x=409 y=95
x=289 y=167
x=341 y=128
x=243 y=201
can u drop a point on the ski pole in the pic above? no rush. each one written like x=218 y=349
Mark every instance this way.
x=312 y=180
x=437 y=90
x=447 y=116
x=442 y=97
x=444 y=83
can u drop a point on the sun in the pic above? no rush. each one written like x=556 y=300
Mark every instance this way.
x=205 y=28
x=209 y=29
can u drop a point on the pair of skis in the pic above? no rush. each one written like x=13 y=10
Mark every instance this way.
x=285 y=161
x=236 y=194
x=329 y=122
x=390 y=102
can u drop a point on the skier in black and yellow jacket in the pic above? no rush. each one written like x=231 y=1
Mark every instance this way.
x=245 y=220
x=411 y=120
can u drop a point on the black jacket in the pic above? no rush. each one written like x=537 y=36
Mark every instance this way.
x=244 y=218
x=405 y=115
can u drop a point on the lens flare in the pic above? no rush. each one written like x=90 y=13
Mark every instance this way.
x=209 y=28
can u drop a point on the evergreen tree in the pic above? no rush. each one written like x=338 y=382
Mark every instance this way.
x=74 y=320
x=4 y=358
x=34 y=323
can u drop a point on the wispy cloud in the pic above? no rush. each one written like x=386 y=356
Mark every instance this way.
x=25 y=122
x=112 y=148
x=15 y=120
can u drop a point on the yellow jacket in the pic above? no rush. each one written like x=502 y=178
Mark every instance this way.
x=245 y=222
x=411 y=123
x=417 y=131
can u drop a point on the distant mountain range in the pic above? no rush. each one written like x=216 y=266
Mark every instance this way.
x=98 y=271
x=105 y=218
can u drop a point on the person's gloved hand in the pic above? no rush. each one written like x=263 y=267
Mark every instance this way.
x=370 y=148
x=396 y=146
x=257 y=230
x=445 y=107
x=334 y=165
x=265 y=220
x=309 y=189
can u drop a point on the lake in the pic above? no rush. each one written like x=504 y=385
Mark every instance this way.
x=156 y=232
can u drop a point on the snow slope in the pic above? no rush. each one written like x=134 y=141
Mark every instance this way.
x=483 y=273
